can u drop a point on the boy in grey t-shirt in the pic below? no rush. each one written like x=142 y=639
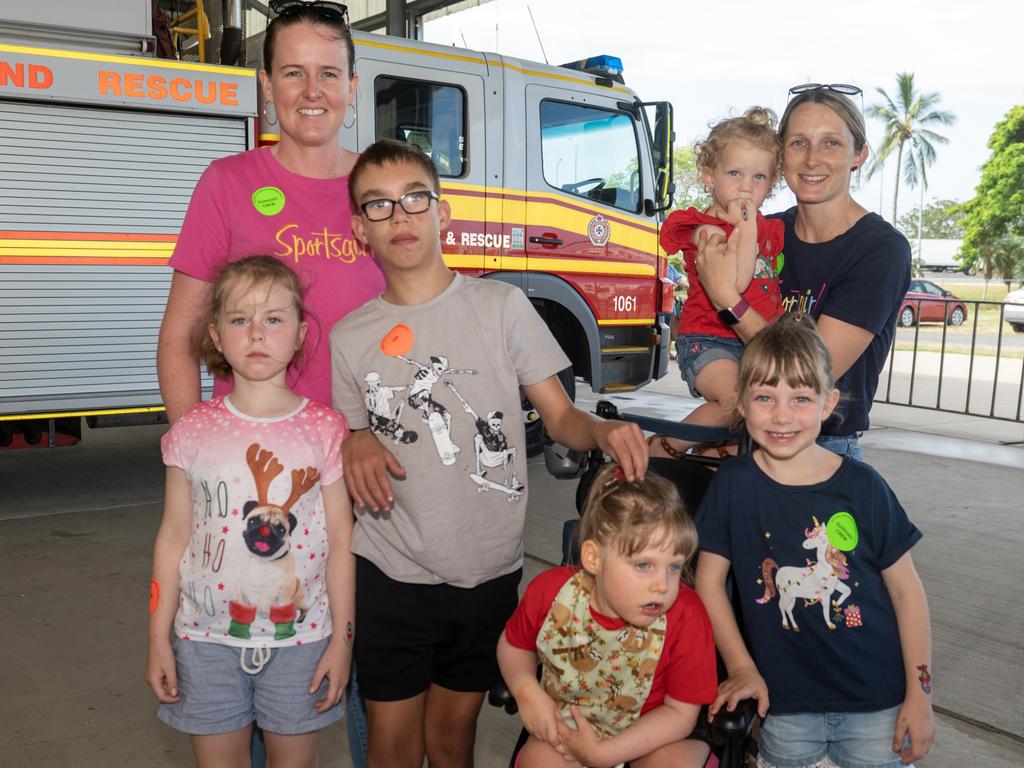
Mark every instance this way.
x=433 y=369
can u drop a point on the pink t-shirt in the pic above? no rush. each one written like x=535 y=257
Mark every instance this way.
x=253 y=572
x=249 y=205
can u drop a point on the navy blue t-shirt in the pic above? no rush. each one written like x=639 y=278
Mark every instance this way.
x=782 y=543
x=860 y=278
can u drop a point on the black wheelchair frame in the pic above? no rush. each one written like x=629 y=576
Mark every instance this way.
x=727 y=734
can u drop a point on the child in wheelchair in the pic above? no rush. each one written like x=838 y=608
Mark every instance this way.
x=833 y=610
x=625 y=647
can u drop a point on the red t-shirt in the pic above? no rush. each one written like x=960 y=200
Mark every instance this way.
x=686 y=669
x=698 y=315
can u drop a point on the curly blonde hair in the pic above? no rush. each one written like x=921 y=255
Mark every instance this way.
x=248 y=273
x=757 y=125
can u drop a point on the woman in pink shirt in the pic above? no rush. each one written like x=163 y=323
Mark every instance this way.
x=289 y=201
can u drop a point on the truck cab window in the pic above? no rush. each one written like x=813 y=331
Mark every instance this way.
x=591 y=152
x=430 y=115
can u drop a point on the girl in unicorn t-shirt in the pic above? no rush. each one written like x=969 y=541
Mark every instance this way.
x=837 y=641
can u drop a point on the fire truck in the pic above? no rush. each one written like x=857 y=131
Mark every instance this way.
x=557 y=177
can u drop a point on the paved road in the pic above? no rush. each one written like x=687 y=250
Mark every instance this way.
x=960 y=338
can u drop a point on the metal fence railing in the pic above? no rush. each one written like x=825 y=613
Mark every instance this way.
x=955 y=356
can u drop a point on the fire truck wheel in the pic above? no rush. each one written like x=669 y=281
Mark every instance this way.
x=536 y=437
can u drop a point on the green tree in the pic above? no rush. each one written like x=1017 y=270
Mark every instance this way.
x=908 y=119
x=996 y=212
x=940 y=219
x=689 y=185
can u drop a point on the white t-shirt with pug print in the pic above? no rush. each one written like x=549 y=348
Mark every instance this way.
x=253 y=573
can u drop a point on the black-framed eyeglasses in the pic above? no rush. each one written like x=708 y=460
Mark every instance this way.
x=325 y=9
x=844 y=88
x=411 y=202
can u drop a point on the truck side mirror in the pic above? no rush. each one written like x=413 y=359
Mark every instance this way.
x=662 y=140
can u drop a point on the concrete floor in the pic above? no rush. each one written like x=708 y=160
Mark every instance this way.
x=75 y=592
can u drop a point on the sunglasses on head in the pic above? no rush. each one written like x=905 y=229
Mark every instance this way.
x=843 y=88
x=325 y=9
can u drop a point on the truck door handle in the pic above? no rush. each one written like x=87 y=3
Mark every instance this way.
x=546 y=240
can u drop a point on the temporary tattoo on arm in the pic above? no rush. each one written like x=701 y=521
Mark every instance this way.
x=350 y=633
x=924 y=678
x=154 y=595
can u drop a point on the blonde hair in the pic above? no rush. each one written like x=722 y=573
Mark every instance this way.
x=635 y=516
x=838 y=103
x=790 y=349
x=248 y=274
x=757 y=126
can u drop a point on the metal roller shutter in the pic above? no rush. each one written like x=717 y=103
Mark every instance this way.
x=83 y=336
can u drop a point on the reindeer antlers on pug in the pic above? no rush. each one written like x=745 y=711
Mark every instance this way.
x=265 y=468
x=302 y=481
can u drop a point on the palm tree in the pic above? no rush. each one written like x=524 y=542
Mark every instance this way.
x=908 y=119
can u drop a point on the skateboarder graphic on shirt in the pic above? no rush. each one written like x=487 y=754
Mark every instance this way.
x=492 y=450
x=436 y=416
x=383 y=421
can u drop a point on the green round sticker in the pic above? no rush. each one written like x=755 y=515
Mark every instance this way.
x=268 y=200
x=842 y=531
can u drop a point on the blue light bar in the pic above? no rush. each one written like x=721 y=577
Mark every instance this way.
x=601 y=66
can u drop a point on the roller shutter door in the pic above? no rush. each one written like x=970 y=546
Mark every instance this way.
x=83 y=336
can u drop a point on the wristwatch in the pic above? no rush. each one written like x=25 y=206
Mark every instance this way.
x=731 y=316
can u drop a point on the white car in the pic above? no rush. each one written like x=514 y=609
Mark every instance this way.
x=1013 y=309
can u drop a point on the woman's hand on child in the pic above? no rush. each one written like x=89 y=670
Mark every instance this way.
x=625 y=443
x=917 y=721
x=336 y=665
x=743 y=684
x=161 y=673
x=717 y=265
x=368 y=465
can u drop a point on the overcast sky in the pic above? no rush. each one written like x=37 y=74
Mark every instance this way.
x=715 y=59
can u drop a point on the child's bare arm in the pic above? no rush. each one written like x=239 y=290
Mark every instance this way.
x=672 y=721
x=582 y=431
x=369 y=466
x=916 y=718
x=536 y=709
x=744 y=680
x=171 y=541
x=340 y=578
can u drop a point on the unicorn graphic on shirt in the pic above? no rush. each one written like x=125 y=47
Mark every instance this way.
x=814 y=582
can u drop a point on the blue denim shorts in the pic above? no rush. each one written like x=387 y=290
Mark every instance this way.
x=218 y=696
x=694 y=352
x=842 y=445
x=848 y=739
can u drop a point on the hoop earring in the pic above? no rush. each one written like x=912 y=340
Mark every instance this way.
x=266 y=119
x=349 y=123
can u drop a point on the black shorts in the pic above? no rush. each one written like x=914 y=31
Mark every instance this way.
x=411 y=635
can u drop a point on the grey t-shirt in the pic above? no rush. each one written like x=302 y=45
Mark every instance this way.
x=438 y=383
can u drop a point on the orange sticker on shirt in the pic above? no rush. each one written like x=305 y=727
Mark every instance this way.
x=397 y=341
x=154 y=595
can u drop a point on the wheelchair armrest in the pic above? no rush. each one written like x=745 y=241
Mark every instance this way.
x=729 y=726
x=501 y=696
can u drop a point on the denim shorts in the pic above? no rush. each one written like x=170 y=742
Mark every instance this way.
x=218 y=696
x=848 y=739
x=842 y=445
x=694 y=352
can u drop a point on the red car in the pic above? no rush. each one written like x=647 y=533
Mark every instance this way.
x=926 y=302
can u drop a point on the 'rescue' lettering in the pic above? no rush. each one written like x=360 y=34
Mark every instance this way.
x=21 y=75
x=489 y=240
x=159 y=88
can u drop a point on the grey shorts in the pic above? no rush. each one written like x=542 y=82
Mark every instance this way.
x=218 y=696
x=694 y=352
